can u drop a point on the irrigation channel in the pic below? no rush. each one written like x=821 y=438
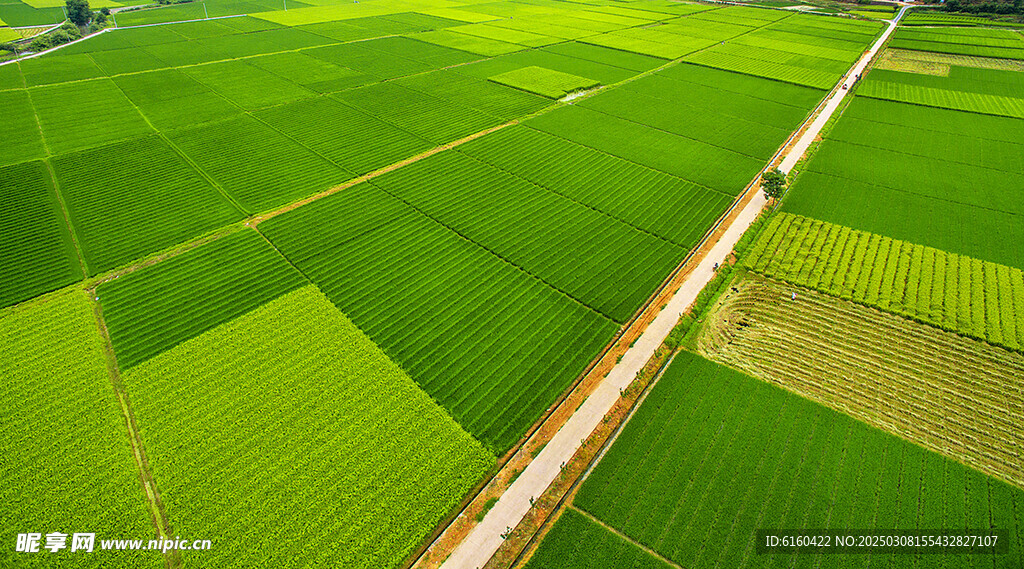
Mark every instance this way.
x=486 y=537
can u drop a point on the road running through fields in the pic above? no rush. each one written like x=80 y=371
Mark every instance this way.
x=487 y=536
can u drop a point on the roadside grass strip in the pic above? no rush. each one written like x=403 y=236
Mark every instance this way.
x=359 y=481
x=138 y=211
x=490 y=343
x=148 y=312
x=256 y=165
x=70 y=467
x=36 y=251
x=545 y=82
x=879 y=368
x=60 y=108
x=967 y=296
x=714 y=455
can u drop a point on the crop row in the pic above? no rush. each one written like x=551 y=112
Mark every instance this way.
x=958 y=48
x=968 y=296
x=809 y=77
x=156 y=308
x=290 y=408
x=953 y=395
x=577 y=542
x=70 y=466
x=655 y=202
x=708 y=165
x=36 y=251
x=714 y=455
x=437 y=120
x=60 y=109
x=489 y=342
x=594 y=258
x=132 y=205
x=545 y=82
x=672 y=106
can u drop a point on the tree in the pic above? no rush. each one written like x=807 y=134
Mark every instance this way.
x=79 y=12
x=773 y=183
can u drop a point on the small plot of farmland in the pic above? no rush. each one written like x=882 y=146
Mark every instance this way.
x=953 y=395
x=593 y=258
x=713 y=455
x=70 y=466
x=984 y=42
x=650 y=200
x=546 y=82
x=473 y=330
x=118 y=219
x=36 y=251
x=306 y=445
x=150 y=311
x=938 y=177
x=956 y=293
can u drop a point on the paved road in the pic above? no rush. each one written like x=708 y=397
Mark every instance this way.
x=484 y=539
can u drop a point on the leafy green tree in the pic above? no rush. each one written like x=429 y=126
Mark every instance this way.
x=773 y=183
x=78 y=11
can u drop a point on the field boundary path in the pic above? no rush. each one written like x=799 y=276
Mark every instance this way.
x=486 y=537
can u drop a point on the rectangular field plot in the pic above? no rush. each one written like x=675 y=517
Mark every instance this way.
x=485 y=96
x=719 y=169
x=62 y=421
x=594 y=258
x=714 y=455
x=148 y=313
x=425 y=116
x=258 y=166
x=493 y=345
x=356 y=141
x=987 y=91
x=131 y=60
x=578 y=542
x=371 y=445
x=931 y=177
x=363 y=59
x=545 y=82
x=18 y=128
x=953 y=292
x=428 y=54
x=648 y=199
x=58 y=68
x=605 y=73
x=721 y=121
x=36 y=251
x=133 y=205
x=310 y=72
x=60 y=108
x=170 y=99
x=247 y=86
x=1005 y=44
x=946 y=225
x=587 y=52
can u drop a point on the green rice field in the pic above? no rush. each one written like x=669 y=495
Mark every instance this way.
x=299 y=277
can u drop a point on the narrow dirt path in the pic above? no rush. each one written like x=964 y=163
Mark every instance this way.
x=486 y=537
